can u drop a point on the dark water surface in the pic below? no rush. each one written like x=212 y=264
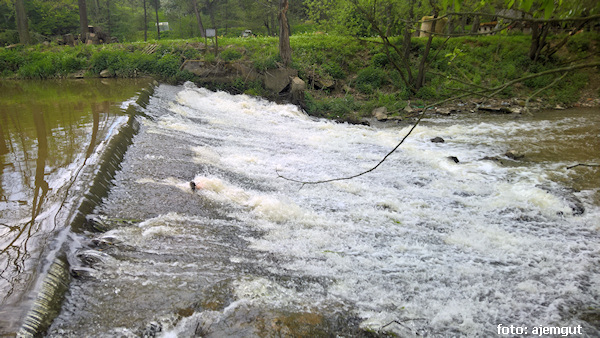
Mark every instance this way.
x=50 y=132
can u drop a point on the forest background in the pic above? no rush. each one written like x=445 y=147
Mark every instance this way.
x=354 y=55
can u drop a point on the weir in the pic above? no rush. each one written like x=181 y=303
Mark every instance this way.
x=93 y=175
x=421 y=246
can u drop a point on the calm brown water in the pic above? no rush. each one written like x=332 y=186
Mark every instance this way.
x=49 y=133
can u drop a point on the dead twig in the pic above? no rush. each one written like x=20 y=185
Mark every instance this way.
x=583 y=165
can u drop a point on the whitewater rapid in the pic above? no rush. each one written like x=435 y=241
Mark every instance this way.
x=420 y=246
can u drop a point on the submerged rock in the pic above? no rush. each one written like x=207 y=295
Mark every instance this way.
x=568 y=195
x=437 y=139
x=453 y=158
x=514 y=155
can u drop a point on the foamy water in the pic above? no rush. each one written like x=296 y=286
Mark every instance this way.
x=422 y=245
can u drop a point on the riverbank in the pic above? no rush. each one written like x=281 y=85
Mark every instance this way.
x=344 y=78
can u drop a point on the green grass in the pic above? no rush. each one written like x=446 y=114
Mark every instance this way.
x=364 y=77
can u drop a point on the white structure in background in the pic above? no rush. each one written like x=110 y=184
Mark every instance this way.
x=163 y=26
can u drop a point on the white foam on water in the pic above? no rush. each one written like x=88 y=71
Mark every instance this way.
x=449 y=248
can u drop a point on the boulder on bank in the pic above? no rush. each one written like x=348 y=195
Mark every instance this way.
x=297 y=90
x=380 y=113
x=107 y=73
x=278 y=79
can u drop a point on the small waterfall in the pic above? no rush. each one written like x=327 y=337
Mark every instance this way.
x=57 y=277
x=421 y=246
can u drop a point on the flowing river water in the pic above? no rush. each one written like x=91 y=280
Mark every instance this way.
x=421 y=246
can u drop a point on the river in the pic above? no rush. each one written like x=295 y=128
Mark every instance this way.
x=421 y=246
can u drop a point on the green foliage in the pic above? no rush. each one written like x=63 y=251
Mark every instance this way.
x=270 y=62
x=50 y=18
x=379 y=60
x=579 y=43
x=426 y=93
x=335 y=70
x=9 y=37
x=10 y=61
x=230 y=54
x=369 y=79
x=330 y=107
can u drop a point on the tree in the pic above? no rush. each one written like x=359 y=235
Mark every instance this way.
x=145 y=22
x=285 y=50
x=198 y=18
x=83 y=20
x=156 y=4
x=22 y=22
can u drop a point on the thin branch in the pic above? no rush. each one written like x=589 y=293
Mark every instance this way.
x=542 y=89
x=583 y=165
x=482 y=92
x=585 y=18
x=468 y=33
x=385 y=157
x=499 y=88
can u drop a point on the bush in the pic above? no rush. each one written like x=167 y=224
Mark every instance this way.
x=230 y=54
x=370 y=78
x=578 y=43
x=426 y=93
x=335 y=70
x=379 y=60
x=262 y=64
x=10 y=61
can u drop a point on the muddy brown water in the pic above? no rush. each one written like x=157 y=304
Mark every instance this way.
x=50 y=133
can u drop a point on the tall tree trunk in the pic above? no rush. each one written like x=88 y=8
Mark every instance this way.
x=83 y=20
x=157 y=26
x=22 y=24
x=108 y=19
x=199 y=19
x=145 y=23
x=407 y=42
x=284 y=34
x=421 y=75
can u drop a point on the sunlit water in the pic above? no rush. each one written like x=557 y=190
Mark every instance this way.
x=50 y=136
x=420 y=246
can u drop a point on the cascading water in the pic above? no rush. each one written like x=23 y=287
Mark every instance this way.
x=420 y=246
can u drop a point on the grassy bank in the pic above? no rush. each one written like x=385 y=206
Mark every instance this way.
x=345 y=76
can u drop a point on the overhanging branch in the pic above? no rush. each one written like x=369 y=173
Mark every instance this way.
x=482 y=92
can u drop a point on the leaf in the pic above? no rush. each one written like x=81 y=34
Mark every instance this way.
x=457 y=4
x=526 y=5
x=444 y=5
x=548 y=10
x=510 y=3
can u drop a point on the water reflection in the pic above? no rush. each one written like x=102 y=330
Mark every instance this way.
x=48 y=131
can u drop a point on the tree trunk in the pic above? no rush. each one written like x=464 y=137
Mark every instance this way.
x=22 y=23
x=421 y=75
x=157 y=26
x=108 y=20
x=284 y=34
x=538 y=40
x=145 y=23
x=199 y=19
x=408 y=40
x=475 y=27
x=83 y=21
